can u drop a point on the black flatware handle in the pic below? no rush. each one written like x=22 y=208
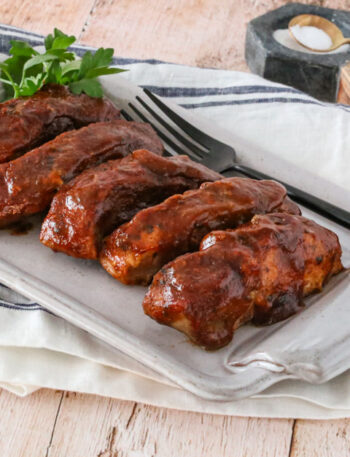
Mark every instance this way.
x=322 y=207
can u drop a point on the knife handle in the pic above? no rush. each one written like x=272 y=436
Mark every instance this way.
x=316 y=204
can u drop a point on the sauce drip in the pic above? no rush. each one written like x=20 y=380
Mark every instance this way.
x=20 y=228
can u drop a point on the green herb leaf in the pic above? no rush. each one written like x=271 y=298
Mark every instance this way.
x=21 y=48
x=48 y=41
x=53 y=72
x=103 y=57
x=14 y=67
x=86 y=64
x=26 y=70
x=94 y=72
x=58 y=40
x=31 y=85
x=62 y=54
x=90 y=87
x=71 y=66
x=36 y=60
x=62 y=42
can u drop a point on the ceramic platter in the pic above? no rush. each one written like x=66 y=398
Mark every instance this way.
x=313 y=346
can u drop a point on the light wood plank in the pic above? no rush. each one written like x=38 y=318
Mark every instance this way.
x=163 y=432
x=26 y=424
x=90 y=426
x=194 y=32
x=344 y=85
x=204 y=33
x=321 y=438
x=42 y=16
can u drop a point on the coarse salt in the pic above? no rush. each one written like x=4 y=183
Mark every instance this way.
x=312 y=37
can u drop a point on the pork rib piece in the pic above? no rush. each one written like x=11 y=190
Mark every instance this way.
x=104 y=197
x=259 y=272
x=28 y=122
x=138 y=249
x=28 y=184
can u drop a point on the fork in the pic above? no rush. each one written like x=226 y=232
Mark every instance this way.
x=219 y=156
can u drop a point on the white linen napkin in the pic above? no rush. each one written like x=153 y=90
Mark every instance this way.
x=38 y=349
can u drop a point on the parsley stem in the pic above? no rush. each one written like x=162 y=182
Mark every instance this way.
x=10 y=81
x=6 y=81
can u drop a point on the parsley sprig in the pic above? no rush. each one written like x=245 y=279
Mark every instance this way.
x=27 y=70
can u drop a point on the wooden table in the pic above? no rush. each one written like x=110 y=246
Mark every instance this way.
x=62 y=424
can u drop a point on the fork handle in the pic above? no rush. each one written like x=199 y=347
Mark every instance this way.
x=322 y=207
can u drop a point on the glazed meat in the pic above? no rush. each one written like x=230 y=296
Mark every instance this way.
x=259 y=272
x=288 y=206
x=138 y=249
x=28 y=122
x=28 y=184
x=104 y=197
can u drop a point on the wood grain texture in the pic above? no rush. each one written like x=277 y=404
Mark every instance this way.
x=321 y=439
x=185 y=31
x=87 y=426
x=42 y=16
x=126 y=429
x=205 y=33
x=26 y=424
x=344 y=85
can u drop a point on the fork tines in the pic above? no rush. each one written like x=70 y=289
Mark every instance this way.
x=195 y=151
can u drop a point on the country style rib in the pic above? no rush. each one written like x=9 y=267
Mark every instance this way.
x=28 y=184
x=138 y=249
x=104 y=197
x=28 y=122
x=259 y=272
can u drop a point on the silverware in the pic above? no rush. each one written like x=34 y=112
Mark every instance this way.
x=217 y=155
x=312 y=20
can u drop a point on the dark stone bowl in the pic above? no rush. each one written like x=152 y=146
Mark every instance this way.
x=315 y=74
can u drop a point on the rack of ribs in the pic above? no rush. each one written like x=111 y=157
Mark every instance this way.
x=259 y=272
x=28 y=183
x=28 y=122
x=138 y=249
x=104 y=197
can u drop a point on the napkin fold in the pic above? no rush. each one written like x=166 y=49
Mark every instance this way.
x=39 y=349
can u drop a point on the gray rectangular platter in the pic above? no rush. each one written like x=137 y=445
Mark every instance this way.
x=313 y=346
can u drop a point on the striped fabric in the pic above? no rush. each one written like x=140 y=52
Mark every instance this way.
x=234 y=95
